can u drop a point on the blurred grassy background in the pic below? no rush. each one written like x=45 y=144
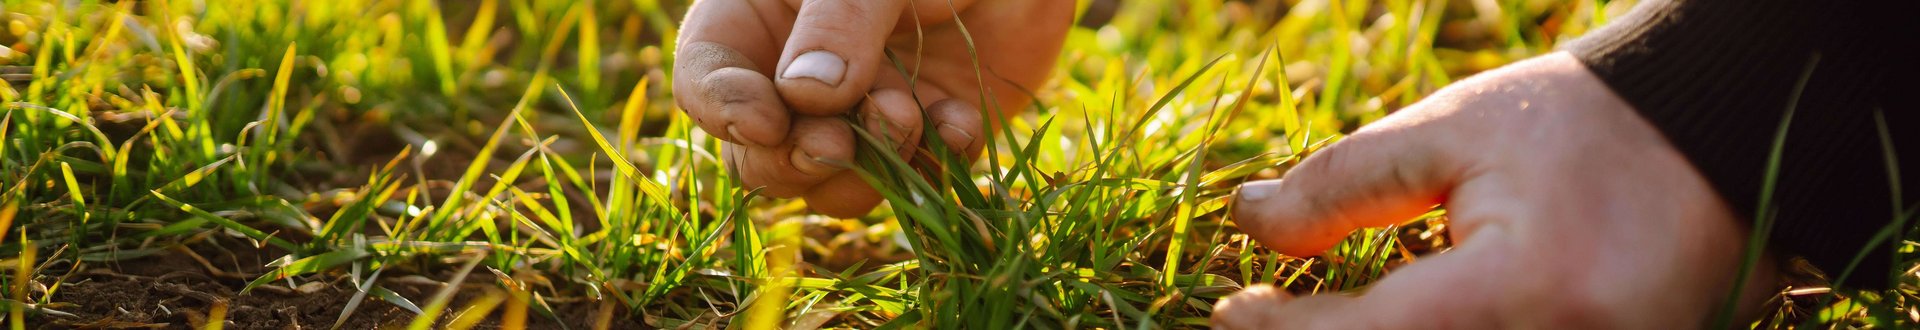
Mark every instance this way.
x=535 y=145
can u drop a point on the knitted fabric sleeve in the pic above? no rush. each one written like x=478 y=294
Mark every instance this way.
x=1717 y=77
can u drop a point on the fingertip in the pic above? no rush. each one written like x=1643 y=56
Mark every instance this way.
x=819 y=148
x=811 y=163
x=1250 y=308
x=1378 y=176
x=1263 y=212
x=769 y=170
x=741 y=107
x=1246 y=209
x=821 y=66
x=833 y=53
x=960 y=126
x=751 y=175
x=822 y=146
x=819 y=83
x=843 y=196
x=959 y=140
x=893 y=114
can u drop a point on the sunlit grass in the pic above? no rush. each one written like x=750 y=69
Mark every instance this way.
x=535 y=144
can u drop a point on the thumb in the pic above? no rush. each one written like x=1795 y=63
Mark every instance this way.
x=833 y=54
x=1381 y=175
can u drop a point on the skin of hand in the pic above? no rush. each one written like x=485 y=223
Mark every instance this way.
x=1569 y=210
x=772 y=78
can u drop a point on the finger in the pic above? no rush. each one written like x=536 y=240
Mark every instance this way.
x=1452 y=285
x=756 y=168
x=770 y=169
x=725 y=95
x=1019 y=56
x=1251 y=308
x=833 y=53
x=1381 y=175
x=821 y=147
x=893 y=115
x=738 y=105
x=960 y=127
x=843 y=196
x=719 y=76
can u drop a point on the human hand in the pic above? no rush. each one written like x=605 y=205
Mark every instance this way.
x=1568 y=209
x=770 y=76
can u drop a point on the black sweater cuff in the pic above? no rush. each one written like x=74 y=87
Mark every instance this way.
x=1717 y=77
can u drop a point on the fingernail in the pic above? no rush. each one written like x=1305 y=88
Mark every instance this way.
x=948 y=131
x=734 y=131
x=876 y=126
x=874 y=123
x=809 y=164
x=1258 y=190
x=820 y=65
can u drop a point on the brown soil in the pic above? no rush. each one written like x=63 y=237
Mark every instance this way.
x=173 y=290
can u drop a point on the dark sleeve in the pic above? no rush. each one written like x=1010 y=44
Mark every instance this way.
x=1717 y=77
